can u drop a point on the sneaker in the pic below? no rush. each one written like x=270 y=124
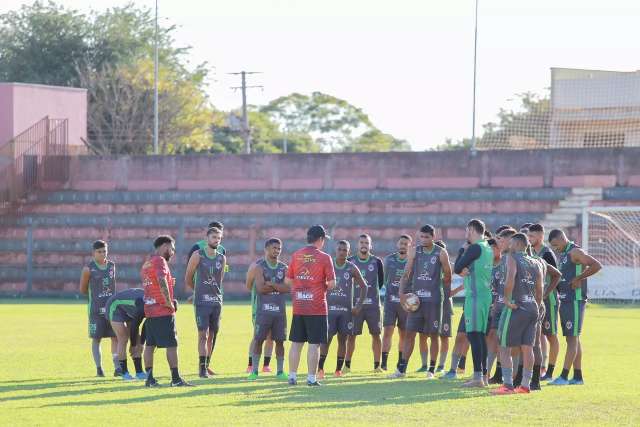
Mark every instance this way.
x=203 y=373
x=313 y=384
x=460 y=371
x=543 y=371
x=522 y=390
x=127 y=377
x=424 y=368
x=378 y=370
x=383 y=367
x=474 y=384
x=558 y=381
x=430 y=375
x=141 y=376
x=346 y=370
x=252 y=376
x=152 y=382
x=293 y=381
x=502 y=390
x=495 y=380
x=546 y=377
x=320 y=374
x=439 y=369
x=181 y=383
x=210 y=371
x=249 y=369
x=282 y=376
x=451 y=375
x=576 y=382
x=117 y=372
x=266 y=369
x=535 y=386
x=396 y=374
x=338 y=374
x=99 y=372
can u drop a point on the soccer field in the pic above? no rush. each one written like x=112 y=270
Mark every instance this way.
x=46 y=378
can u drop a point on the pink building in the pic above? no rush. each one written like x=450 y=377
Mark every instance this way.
x=22 y=105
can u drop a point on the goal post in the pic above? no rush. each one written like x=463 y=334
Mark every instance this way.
x=612 y=236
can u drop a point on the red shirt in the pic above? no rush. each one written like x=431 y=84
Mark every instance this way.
x=154 y=303
x=310 y=269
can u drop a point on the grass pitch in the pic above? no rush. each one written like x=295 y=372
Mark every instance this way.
x=46 y=378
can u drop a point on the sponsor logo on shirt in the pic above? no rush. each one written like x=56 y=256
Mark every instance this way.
x=308 y=258
x=367 y=301
x=271 y=307
x=211 y=298
x=102 y=310
x=304 y=274
x=305 y=296
x=337 y=308
x=423 y=294
x=395 y=298
x=149 y=301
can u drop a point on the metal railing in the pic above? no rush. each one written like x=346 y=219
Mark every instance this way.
x=36 y=159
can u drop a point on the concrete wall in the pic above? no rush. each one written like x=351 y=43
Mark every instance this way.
x=22 y=105
x=421 y=170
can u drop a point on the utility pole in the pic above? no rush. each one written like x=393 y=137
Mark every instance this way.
x=246 y=134
x=155 y=85
x=475 y=62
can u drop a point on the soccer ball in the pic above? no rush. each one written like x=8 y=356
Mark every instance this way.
x=412 y=303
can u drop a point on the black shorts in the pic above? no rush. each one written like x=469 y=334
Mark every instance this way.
x=99 y=326
x=426 y=319
x=572 y=317
x=309 y=328
x=274 y=323
x=550 y=321
x=371 y=315
x=208 y=317
x=517 y=327
x=119 y=315
x=340 y=322
x=447 y=314
x=394 y=315
x=161 y=331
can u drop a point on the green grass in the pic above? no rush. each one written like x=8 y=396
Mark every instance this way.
x=46 y=378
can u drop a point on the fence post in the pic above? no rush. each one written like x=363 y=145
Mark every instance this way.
x=29 y=259
x=182 y=267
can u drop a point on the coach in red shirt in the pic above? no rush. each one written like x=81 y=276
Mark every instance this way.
x=310 y=275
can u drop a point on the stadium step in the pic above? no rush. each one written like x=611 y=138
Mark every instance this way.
x=566 y=214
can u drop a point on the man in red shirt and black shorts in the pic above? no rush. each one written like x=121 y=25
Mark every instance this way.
x=310 y=275
x=159 y=309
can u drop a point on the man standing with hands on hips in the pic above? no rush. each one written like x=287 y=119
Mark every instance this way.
x=310 y=275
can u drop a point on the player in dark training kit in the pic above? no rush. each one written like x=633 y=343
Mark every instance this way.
x=205 y=272
x=373 y=272
x=575 y=265
x=98 y=282
x=476 y=264
x=394 y=315
x=340 y=306
x=159 y=309
x=271 y=315
x=427 y=273
x=522 y=301
x=125 y=311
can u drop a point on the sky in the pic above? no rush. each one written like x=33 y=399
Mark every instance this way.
x=408 y=64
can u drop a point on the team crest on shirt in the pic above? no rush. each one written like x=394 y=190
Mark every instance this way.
x=346 y=275
x=218 y=265
x=569 y=325
x=434 y=260
x=547 y=325
x=370 y=267
x=280 y=274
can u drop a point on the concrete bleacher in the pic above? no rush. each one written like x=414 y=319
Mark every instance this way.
x=129 y=201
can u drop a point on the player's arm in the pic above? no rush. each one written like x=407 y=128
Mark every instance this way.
x=161 y=271
x=84 y=280
x=539 y=285
x=362 y=285
x=446 y=273
x=194 y=248
x=262 y=286
x=380 y=273
x=191 y=270
x=556 y=276
x=590 y=264
x=406 y=275
x=220 y=276
x=248 y=283
x=329 y=273
x=466 y=257
x=510 y=283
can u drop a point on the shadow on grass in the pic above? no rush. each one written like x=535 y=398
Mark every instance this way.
x=265 y=395
x=22 y=385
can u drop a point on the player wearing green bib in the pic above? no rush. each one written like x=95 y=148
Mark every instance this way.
x=475 y=264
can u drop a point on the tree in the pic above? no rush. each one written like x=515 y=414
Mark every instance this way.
x=333 y=123
x=527 y=127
